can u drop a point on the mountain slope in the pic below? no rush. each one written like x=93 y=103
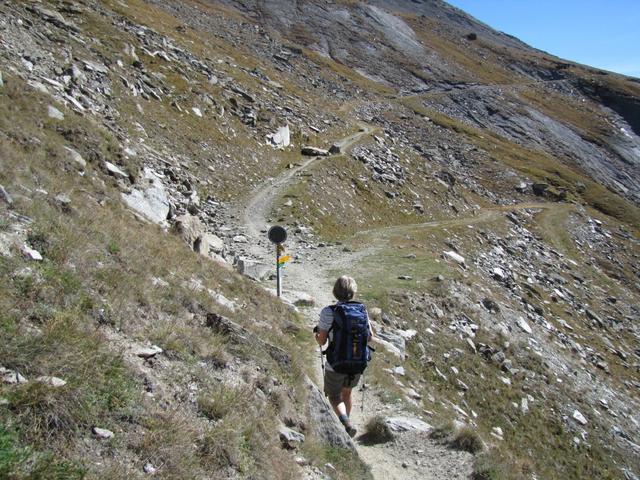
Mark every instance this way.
x=138 y=161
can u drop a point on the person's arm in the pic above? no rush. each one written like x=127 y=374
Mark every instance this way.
x=321 y=337
x=321 y=331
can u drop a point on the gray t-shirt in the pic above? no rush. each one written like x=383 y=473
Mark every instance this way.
x=325 y=322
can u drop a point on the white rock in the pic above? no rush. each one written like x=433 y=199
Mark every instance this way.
x=522 y=323
x=497 y=432
x=102 y=433
x=281 y=138
x=149 y=468
x=406 y=424
x=31 y=253
x=459 y=259
x=524 y=406
x=498 y=273
x=578 y=417
x=150 y=199
x=115 y=171
x=54 y=113
x=197 y=112
x=240 y=239
x=54 y=382
x=76 y=157
x=407 y=334
x=149 y=352
x=224 y=301
x=11 y=377
x=398 y=371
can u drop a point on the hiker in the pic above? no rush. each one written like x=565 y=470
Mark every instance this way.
x=348 y=351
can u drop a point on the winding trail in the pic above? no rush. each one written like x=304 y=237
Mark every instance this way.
x=412 y=455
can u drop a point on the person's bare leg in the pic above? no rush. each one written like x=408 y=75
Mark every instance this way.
x=339 y=406
x=345 y=396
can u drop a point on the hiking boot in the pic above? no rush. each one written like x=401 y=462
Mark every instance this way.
x=351 y=430
x=347 y=425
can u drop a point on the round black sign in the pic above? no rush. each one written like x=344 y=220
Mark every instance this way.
x=277 y=234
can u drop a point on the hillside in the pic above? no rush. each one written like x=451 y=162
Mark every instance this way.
x=484 y=194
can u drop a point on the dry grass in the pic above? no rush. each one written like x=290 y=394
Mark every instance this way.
x=97 y=276
x=377 y=431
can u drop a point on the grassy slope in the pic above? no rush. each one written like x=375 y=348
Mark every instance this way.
x=96 y=283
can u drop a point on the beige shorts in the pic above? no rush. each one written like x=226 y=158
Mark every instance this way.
x=335 y=382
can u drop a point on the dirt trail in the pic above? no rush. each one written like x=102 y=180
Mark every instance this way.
x=412 y=455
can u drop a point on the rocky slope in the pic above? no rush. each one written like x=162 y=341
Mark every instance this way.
x=484 y=194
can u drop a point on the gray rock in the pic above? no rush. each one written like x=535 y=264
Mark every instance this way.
x=76 y=157
x=216 y=244
x=314 y=151
x=53 y=17
x=54 y=113
x=281 y=138
x=149 y=468
x=30 y=253
x=393 y=342
x=149 y=352
x=524 y=326
x=335 y=149
x=54 y=382
x=63 y=202
x=407 y=424
x=1 y=81
x=521 y=187
x=252 y=268
x=459 y=259
x=11 y=377
x=578 y=417
x=540 y=188
x=323 y=421
x=102 y=433
x=150 y=199
x=192 y=231
x=290 y=438
x=115 y=171
x=5 y=197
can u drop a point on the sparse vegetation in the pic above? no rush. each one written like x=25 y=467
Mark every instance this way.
x=377 y=431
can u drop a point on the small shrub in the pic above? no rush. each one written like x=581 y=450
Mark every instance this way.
x=443 y=432
x=223 y=401
x=486 y=467
x=113 y=248
x=377 y=431
x=467 y=440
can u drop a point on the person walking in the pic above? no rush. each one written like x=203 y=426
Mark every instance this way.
x=345 y=325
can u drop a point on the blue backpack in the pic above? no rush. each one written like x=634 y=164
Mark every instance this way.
x=348 y=351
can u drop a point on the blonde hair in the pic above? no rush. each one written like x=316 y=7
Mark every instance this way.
x=345 y=288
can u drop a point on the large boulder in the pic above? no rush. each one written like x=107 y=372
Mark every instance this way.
x=281 y=138
x=192 y=230
x=149 y=198
x=252 y=268
x=324 y=423
x=314 y=151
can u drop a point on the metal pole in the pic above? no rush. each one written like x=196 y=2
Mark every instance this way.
x=278 y=281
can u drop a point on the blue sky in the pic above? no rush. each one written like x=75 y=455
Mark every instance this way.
x=600 y=33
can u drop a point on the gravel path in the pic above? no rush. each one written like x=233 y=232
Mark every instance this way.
x=410 y=455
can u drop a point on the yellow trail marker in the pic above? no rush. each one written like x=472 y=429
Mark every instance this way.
x=284 y=259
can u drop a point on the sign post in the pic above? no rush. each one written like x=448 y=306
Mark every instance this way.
x=278 y=235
